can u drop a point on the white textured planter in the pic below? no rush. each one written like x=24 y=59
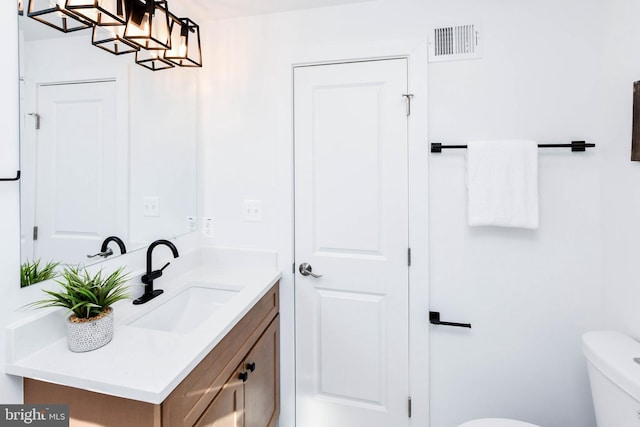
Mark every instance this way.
x=90 y=335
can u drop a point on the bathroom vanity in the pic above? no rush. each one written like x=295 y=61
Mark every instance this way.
x=222 y=371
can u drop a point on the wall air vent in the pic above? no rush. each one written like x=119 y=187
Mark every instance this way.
x=455 y=43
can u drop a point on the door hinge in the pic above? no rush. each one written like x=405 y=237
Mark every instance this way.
x=293 y=268
x=409 y=257
x=408 y=97
x=35 y=232
x=36 y=117
x=409 y=407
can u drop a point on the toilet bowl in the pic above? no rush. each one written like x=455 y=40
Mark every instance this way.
x=613 y=362
x=496 y=422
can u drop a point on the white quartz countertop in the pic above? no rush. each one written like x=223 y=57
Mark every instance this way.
x=139 y=363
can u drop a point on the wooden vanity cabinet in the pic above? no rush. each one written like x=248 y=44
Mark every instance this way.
x=250 y=398
x=213 y=394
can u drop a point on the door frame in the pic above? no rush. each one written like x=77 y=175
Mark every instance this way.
x=415 y=50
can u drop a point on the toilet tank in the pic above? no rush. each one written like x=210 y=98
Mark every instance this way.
x=614 y=376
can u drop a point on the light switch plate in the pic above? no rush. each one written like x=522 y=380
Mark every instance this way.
x=253 y=210
x=207 y=227
x=151 y=206
x=192 y=223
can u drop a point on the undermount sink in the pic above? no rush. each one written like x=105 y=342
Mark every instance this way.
x=186 y=310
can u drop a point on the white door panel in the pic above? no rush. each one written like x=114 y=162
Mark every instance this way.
x=77 y=196
x=351 y=225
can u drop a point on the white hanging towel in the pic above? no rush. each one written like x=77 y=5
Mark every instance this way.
x=502 y=180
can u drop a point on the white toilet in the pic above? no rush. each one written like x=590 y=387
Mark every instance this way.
x=496 y=422
x=614 y=373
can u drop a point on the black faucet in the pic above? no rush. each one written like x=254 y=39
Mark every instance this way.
x=106 y=251
x=147 y=279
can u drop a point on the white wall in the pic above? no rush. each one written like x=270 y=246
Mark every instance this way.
x=163 y=150
x=529 y=295
x=621 y=182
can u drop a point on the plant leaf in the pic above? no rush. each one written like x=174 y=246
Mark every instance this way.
x=84 y=294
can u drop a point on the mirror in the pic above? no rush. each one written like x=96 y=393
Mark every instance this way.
x=107 y=147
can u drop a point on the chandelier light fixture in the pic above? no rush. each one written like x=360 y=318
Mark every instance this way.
x=111 y=38
x=54 y=14
x=148 y=24
x=160 y=40
x=153 y=60
x=100 y=12
x=185 y=48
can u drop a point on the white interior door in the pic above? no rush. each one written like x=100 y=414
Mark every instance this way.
x=76 y=191
x=351 y=226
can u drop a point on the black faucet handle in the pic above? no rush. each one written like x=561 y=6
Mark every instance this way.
x=153 y=275
x=148 y=279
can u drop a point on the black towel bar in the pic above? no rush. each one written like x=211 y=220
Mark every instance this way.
x=434 y=319
x=575 y=146
x=11 y=179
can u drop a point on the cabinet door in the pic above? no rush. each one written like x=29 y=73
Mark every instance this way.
x=226 y=410
x=262 y=388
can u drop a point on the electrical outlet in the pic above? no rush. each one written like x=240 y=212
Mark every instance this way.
x=192 y=223
x=207 y=228
x=151 y=206
x=253 y=210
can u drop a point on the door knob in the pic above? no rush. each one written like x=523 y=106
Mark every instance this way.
x=306 y=270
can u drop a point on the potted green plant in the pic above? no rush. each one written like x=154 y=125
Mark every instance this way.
x=89 y=297
x=31 y=272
